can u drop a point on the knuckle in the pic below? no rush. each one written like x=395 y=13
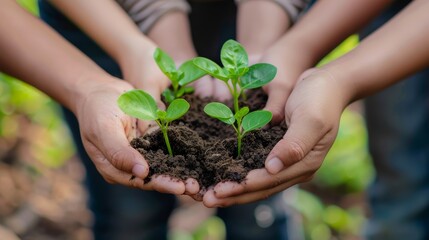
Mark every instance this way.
x=117 y=160
x=311 y=165
x=296 y=150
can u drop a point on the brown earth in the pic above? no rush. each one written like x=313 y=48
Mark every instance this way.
x=205 y=148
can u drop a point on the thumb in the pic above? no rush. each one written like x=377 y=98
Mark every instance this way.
x=302 y=136
x=117 y=150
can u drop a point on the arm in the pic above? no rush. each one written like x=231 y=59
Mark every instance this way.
x=114 y=31
x=315 y=105
x=34 y=53
x=321 y=29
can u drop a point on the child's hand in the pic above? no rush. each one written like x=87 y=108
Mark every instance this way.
x=312 y=113
x=106 y=132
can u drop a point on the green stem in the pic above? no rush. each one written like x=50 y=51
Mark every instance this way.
x=167 y=141
x=235 y=95
x=239 y=137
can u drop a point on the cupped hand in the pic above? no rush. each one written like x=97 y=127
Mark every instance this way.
x=312 y=114
x=106 y=132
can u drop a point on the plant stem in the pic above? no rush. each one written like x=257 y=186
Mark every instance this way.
x=239 y=137
x=235 y=95
x=167 y=141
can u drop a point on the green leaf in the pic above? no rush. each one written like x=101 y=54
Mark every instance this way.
x=241 y=113
x=234 y=57
x=180 y=92
x=210 y=68
x=191 y=72
x=220 y=111
x=168 y=95
x=176 y=109
x=258 y=75
x=166 y=64
x=139 y=104
x=189 y=90
x=161 y=114
x=256 y=119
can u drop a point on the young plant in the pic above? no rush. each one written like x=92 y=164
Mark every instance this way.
x=179 y=78
x=236 y=73
x=139 y=104
x=242 y=121
x=238 y=76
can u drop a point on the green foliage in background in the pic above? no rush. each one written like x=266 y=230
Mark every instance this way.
x=25 y=110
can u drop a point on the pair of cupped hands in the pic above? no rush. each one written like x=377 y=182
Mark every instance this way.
x=307 y=104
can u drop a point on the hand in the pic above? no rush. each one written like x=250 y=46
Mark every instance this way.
x=312 y=114
x=106 y=132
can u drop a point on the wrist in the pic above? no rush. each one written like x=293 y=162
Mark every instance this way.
x=86 y=85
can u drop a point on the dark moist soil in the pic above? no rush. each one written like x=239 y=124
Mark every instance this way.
x=205 y=148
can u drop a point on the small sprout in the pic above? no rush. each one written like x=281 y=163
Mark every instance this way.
x=179 y=78
x=139 y=104
x=238 y=76
x=242 y=121
x=236 y=73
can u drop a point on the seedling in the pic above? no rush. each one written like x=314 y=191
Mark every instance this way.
x=238 y=76
x=179 y=78
x=236 y=73
x=242 y=121
x=139 y=104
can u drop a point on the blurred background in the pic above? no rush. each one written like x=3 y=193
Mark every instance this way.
x=42 y=196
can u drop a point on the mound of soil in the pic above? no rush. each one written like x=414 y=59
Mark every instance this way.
x=205 y=148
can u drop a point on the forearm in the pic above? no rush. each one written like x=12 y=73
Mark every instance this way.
x=108 y=25
x=172 y=33
x=395 y=51
x=325 y=25
x=260 y=24
x=34 y=53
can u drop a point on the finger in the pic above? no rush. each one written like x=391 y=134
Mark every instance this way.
x=221 y=91
x=167 y=184
x=302 y=136
x=191 y=186
x=113 y=144
x=204 y=86
x=277 y=97
x=210 y=199
x=109 y=172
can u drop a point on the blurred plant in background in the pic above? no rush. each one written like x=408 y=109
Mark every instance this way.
x=33 y=138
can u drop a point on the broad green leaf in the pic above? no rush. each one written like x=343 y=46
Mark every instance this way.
x=176 y=109
x=256 y=119
x=241 y=113
x=210 y=68
x=166 y=64
x=168 y=95
x=258 y=75
x=191 y=72
x=139 y=104
x=234 y=57
x=220 y=111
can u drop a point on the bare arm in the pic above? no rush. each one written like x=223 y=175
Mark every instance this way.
x=393 y=52
x=320 y=30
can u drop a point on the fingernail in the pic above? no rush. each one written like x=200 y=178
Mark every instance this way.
x=274 y=165
x=139 y=170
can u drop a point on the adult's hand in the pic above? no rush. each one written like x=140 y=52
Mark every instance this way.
x=312 y=114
